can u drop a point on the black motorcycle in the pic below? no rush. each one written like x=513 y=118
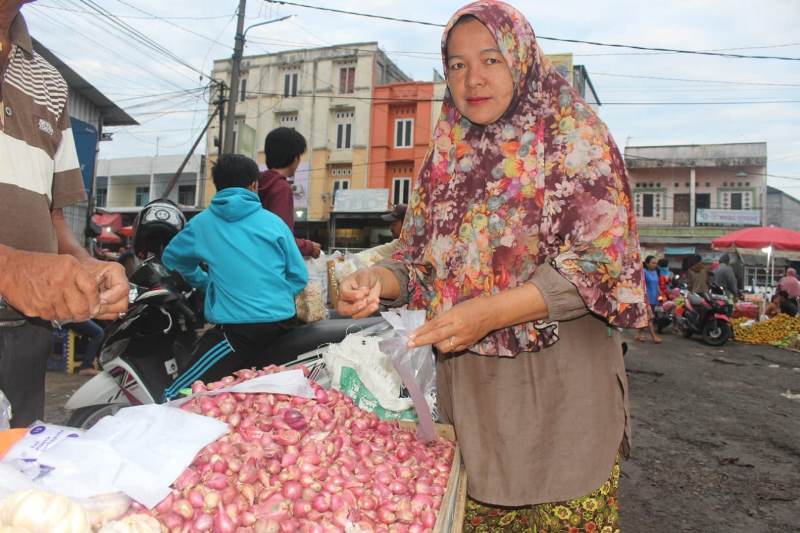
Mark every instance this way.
x=147 y=349
x=707 y=314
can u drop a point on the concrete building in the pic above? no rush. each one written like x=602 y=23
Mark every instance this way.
x=782 y=209
x=324 y=93
x=125 y=185
x=89 y=110
x=686 y=195
x=402 y=119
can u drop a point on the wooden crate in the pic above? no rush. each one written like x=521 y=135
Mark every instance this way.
x=450 y=518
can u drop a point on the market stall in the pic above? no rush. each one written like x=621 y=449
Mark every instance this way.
x=261 y=451
x=769 y=243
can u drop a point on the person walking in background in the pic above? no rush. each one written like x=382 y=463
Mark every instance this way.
x=652 y=291
x=790 y=283
x=664 y=277
x=283 y=149
x=94 y=337
x=697 y=275
x=724 y=276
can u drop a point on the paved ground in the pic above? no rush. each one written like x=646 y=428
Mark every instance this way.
x=716 y=444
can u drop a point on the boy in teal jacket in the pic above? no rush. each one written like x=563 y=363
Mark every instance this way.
x=255 y=270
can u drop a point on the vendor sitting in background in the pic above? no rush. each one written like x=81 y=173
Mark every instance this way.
x=396 y=217
x=781 y=303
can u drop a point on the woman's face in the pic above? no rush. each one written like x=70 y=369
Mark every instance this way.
x=652 y=264
x=477 y=73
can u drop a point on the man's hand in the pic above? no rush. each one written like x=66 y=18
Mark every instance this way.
x=316 y=248
x=359 y=294
x=48 y=286
x=459 y=327
x=112 y=284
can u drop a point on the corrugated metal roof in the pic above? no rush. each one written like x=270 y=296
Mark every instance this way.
x=112 y=114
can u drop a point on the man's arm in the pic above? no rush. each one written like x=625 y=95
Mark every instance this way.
x=280 y=200
x=110 y=278
x=47 y=286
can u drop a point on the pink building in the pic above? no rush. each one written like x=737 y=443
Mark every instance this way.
x=687 y=195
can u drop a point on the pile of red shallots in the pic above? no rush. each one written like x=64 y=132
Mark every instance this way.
x=307 y=465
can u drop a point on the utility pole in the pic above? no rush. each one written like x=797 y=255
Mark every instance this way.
x=236 y=64
x=233 y=94
x=221 y=108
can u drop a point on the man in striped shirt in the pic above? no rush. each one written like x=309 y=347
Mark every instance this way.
x=44 y=273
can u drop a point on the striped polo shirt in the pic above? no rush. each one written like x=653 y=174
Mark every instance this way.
x=39 y=168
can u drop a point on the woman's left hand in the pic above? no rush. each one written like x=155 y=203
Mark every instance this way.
x=459 y=327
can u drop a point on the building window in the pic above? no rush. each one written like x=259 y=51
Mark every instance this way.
x=142 y=196
x=340 y=185
x=347 y=80
x=344 y=130
x=401 y=188
x=101 y=197
x=648 y=205
x=341 y=179
x=290 y=84
x=343 y=135
x=242 y=89
x=288 y=120
x=736 y=200
x=403 y=132
x=186 y=194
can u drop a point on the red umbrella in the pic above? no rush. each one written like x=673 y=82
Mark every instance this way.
x=784 y=242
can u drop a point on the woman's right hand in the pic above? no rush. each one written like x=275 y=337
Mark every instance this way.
x=359 y=294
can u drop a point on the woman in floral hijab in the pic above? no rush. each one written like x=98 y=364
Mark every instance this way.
x=521 y=244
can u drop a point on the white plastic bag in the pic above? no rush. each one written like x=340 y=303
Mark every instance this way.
x=311 y=303
x=25 y=454
x=5 y=412
x=359 y=369
x=414 y=365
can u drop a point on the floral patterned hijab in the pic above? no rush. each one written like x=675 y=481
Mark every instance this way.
x=544 y=183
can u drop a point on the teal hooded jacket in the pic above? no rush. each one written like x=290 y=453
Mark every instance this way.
x=255 y=269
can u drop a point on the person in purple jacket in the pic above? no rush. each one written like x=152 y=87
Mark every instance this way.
x=283 y=148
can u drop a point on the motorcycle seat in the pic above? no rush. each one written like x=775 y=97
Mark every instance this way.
x=311 y=336
x=695 y=299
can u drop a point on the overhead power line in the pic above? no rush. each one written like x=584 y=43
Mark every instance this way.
x=133 y=17
x=138 y=36
x=173 y=24
x=694 y=80
x=543 y=37
x=411 y=100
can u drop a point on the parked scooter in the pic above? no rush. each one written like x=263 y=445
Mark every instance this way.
x=662 y=313
x=708 y=314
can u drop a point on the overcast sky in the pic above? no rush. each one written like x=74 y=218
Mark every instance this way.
x=199 y=31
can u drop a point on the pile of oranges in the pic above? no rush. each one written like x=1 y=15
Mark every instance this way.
x=780 y=330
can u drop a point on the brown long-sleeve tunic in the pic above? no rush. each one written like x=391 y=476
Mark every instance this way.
x=539 y=427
